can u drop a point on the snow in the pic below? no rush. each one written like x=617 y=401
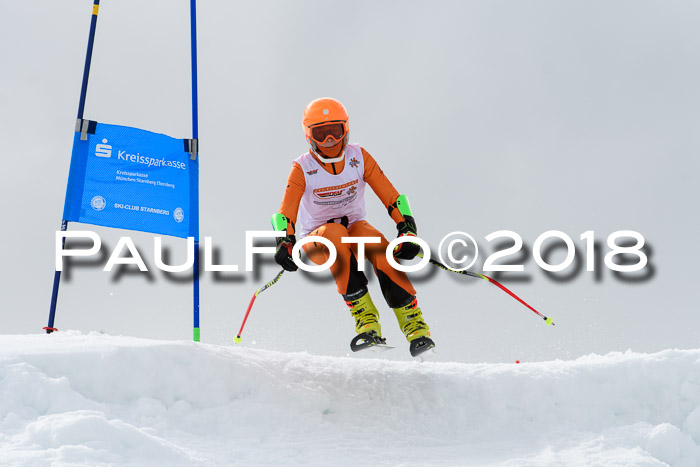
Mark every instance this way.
x=92 y=399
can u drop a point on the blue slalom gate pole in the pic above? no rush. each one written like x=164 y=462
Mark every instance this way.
x=195 y=137
x=81 y=109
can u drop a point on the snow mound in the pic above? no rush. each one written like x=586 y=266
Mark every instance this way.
x=74 y=399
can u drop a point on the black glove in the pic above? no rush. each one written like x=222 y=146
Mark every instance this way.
x=407 y=250
x=283 y=255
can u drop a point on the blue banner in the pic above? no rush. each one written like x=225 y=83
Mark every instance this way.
x=133 y=179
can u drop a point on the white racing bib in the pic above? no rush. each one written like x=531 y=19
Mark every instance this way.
x=329 y=196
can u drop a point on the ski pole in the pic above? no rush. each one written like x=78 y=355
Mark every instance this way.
x=405 y=210
x=493 y=281
x=238 y=339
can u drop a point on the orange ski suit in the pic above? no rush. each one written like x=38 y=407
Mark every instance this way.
x=396 y=287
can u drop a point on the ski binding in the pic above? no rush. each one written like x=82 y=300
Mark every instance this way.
x=421 y=345
x=368 y=340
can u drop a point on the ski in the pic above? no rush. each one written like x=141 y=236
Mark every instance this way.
x=421 y=348
x=378 y=348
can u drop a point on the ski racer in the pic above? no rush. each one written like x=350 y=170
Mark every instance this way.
x=325 y=197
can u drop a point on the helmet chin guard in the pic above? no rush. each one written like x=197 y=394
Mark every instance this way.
x=325 y=159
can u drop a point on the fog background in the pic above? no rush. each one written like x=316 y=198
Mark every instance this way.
x=527 y=116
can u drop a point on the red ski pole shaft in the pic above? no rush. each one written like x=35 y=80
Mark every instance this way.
x=506 y=290
x=237 y=339
x=250 y=305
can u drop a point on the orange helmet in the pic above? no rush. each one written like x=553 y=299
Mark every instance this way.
x=326 y=128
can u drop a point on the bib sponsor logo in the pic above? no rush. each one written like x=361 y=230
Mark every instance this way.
x=336 y=191
x=330 y=194
x=312 y=172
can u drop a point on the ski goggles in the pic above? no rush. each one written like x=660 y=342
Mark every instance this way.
x=328 y=134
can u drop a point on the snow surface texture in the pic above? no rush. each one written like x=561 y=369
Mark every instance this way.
x=75 y=399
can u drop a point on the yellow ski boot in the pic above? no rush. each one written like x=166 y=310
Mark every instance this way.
x=414 y=328
x=369 y=331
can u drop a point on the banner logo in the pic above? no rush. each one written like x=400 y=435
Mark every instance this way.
x=103 y=150
x=98 y=203
x=179 y=215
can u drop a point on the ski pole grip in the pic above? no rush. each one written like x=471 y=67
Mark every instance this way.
x=404 y=207
x=279 y=222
